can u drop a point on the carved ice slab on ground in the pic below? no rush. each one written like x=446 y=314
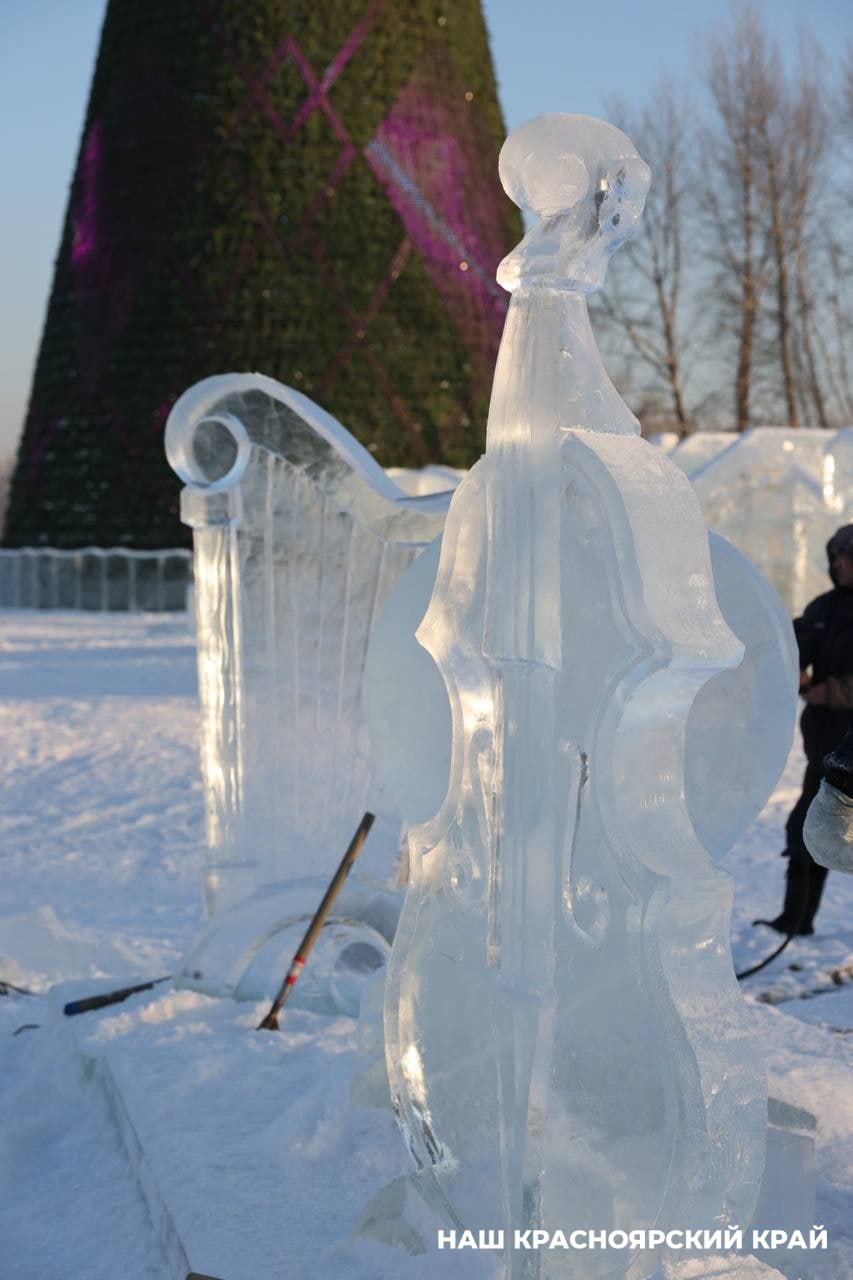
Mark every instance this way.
x=243 y=952
x=299 y=536
x=566 y=1041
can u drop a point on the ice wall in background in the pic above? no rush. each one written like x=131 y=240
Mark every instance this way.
x=298 y=538
x=700 y=447
x=105 y=579
x=666 y=440
x=838 y=475
x=431 y=479
x=768 y=493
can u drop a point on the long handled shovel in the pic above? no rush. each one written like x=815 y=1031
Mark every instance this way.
x=270 y=1022
x=111 y=997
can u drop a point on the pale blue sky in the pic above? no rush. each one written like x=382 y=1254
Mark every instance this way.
x=550 y=55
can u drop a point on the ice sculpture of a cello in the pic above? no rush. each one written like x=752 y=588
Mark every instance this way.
x=566 y=1043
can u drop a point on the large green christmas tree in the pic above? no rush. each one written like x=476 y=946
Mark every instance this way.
x=307 y=188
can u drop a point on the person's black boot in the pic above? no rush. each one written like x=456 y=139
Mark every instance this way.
x=798 y=912
x=817 y=876
x=785 y=925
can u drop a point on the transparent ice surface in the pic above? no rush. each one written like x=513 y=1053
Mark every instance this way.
x=298 y=538
x=767 y=493
x=245 y=951
x=566 y=1042
x=405 y=698
x=752 y=706
x=431 y=479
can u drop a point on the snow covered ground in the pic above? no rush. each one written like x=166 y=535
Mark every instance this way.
x=101 y=845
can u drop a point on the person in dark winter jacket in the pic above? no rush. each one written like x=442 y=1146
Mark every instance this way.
x=825 y=640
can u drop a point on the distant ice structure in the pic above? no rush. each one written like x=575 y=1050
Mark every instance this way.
x=666 y=440
x=298 y=536
x=695 y=450
x=566 y=1041
x=431 y=479
x=838 y=474
x=105 y=579
x=767 y=493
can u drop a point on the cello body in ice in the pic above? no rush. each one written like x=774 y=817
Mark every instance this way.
x=567 y=1046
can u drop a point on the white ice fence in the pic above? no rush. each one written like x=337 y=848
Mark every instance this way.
x=104 y=579
x=299 y=537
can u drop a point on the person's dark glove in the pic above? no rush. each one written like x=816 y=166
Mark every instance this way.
x=838 y=765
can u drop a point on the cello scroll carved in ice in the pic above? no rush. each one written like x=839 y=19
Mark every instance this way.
x=566 y=1042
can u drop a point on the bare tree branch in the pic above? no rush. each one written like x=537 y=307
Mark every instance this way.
x=642 y=304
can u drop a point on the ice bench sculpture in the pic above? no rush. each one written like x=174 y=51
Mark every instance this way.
x=299 y=536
